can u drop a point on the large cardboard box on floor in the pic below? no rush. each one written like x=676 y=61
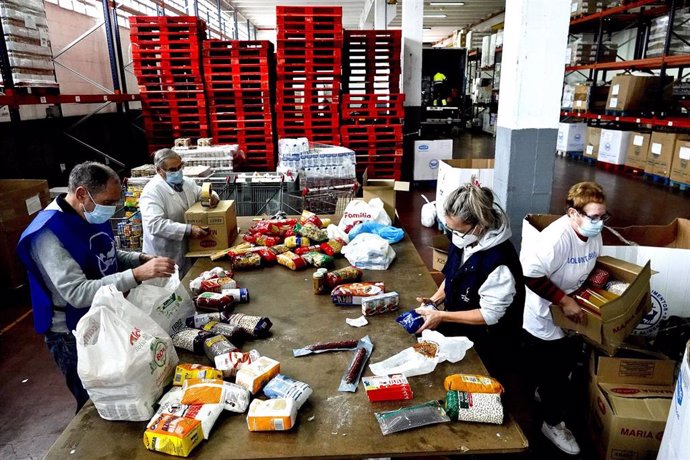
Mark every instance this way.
x=428 y=155
x=635 y=93
x=454 y=173
x=661 y=149
x=222 y=225
x=676 y=442
x=385 y=189
x=592 y=143
x=680 y=165
x=439 y=246
x=629 y=404
x=616 y=320
x=20 y=201
x=571 y=137
x=613 y=146
x=638 y=150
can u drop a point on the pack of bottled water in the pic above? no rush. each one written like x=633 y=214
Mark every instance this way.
x=290 y=152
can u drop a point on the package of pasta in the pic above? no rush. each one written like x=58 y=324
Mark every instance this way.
x=272 y=414
x=173 y=435
x=353 y=372
x=325 y=222
x=343 y=275
x=382 y=303
x=292 y=261
x=233 y=397
x=268 y=256
x=353 y=293
x=280 y=248
x=246 y=261
x=333 y=247
x=472 y=383
x=322 y=347
x=254 y=326
x=296 y=241
x=318 y=260
x=474 y=407
x=171 y=404
x=314 y=233
x=214 y=273
x=195 y=371
x=231 y=362
x=217 y=345
x=306 y=249
x=240 y=249
x=254 y=376
x=282 y=386
x=230 y=331
x=267 y=240
x=191 y=340
x=311 y=218
x=213 y=301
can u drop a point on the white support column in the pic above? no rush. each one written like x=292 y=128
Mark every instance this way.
x=380 y=14
x=532 y=67
x=412 y=31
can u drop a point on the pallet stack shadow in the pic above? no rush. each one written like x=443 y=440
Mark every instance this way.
x=166 y=52
x=239 y=85
x=309 y=60
x=372 y=105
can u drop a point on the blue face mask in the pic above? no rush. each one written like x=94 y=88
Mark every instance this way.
x=174 y=178
x=100 y=214
x=591 y=229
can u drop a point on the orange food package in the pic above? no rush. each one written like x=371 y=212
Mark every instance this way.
x=173 y=435
x=472 y=383
x=195 y=371
x=204 y=393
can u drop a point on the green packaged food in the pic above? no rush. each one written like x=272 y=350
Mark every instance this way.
x=318 y=260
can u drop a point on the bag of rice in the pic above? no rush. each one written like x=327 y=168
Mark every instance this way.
x=472 y=383
x=474 y=407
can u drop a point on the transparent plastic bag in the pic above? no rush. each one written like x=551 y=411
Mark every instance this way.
x=427 y=413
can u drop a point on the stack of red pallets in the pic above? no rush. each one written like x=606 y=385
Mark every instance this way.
x=309 y=66
x=239 y=86
x=167 y=63
x=372 y=106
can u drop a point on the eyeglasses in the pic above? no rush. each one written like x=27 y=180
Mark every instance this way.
x=450 y=232
x=596 y=219
x=175 y=169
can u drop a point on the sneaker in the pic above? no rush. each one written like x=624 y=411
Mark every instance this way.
x=561 y=437
x=537 y=396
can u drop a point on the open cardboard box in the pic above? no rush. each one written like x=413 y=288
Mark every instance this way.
x=384 y=189
x=439 y=245
x=629 y=404
x=222 y=225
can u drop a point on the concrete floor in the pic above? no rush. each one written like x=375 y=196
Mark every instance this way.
x=36 y=405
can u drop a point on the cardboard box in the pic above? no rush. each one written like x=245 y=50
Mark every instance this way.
x=221 y=222
x=571 y=137
x=613 y=146
x=661 y=149
x=680 y=165
x=581 y=97
x=675 y=445
x=638 y=149
x=20 y=201
x=384 y=189
x=593 y=138
x=629 y=404
x=439 y=245
x=454 y=173
x=427 y=156
x=633 y=93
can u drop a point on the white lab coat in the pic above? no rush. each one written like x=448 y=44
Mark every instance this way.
x=162 y=216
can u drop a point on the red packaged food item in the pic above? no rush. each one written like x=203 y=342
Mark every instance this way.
x=249 y=237
x=387 y=387
x=333 y=247
x=599 y=277
x=308 y=216
x=353 y=293
x=304 y=250
x=343 y=275
x=213 y=301
x=265 y=240
x=211 y=285
x=291 y=260
x=268 y=256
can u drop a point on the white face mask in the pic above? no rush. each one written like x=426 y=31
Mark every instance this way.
x=462 y=241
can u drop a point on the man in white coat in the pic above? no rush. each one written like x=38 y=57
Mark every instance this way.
x=163 y=203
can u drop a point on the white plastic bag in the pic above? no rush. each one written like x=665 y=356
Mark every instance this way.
x=165 y=300
x=125 y=358
x=450 y=349
x=334 y=232
x=369 y=252
x=428 y=213
x=358 y=211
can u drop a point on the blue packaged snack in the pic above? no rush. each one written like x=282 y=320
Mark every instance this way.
x=411 y=321
x=282 y=386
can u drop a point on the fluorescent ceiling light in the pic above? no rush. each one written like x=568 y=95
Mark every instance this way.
x=439 y=16
x=447 y=3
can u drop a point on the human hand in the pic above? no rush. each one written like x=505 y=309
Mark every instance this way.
x=432 y=318
x=572 y=310
x=143 y=257
x=198 y=232
x=157 y=267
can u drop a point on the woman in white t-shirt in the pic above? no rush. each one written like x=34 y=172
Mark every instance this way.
x=558 y=264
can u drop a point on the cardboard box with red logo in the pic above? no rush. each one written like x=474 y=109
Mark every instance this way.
x=221 y=222
x=629 y=405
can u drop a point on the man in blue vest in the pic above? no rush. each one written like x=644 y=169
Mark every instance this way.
x=69 y=252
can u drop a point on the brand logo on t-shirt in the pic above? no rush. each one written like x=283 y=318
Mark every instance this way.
x=583 y=259
x=103 y=246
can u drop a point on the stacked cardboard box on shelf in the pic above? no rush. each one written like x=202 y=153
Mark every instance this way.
x=638 y=149
x=679 y=38
x=571 y=137
x=680 y=165
x=593 y=140
x=582 y=53
x=637 y=93
x=661 y=150
x=582 y=7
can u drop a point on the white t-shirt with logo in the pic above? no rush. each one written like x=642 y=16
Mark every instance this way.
x=566 y=260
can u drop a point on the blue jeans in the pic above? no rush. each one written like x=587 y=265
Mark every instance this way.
x=63 y=347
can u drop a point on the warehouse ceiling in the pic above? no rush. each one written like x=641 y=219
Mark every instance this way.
x=262 y=13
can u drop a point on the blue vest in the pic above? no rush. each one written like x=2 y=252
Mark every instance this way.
x=92 y=246
x=462 y=289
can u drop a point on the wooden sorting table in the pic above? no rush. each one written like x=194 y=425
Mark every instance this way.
x=331 y=424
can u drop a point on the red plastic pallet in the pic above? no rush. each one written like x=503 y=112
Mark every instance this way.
x=307 y=11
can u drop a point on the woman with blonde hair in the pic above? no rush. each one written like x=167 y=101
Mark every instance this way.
x=554 y=267
x=483 y=289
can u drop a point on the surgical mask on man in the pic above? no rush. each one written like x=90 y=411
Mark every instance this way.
x=100 y=214
x=462 y=241
x=174 y=177
x=589 y=228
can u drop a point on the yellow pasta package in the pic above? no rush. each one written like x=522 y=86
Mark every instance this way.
x=195 y=371
x=472 y=383
x=173 y=435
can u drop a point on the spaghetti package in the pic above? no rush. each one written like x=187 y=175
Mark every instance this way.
x=296 y=241
x=292 y=261
x=246 y=261
x=195 y=371
x=472 y=383
x=333 y=247
x=343 y=275
x=173 y=435
x=272 y=415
